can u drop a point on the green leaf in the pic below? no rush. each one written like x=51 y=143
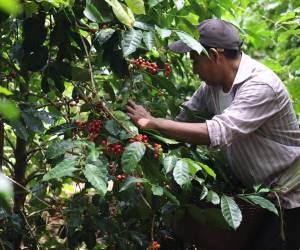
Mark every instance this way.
x=124 y=119
x=137 y=6
x=9 y=109
x=61 y=128
x=11 y=6
x=103 y=35
x=120 y=116
x=171 y=197
x=157 y=190
x=132 y=154
x=130 y=181
x=207 y=169
x=181 y=172
x=213 y=197
x=169 y=163
x=286 y=16
x=123 y=13
x=20 y=129
x=131 y=127
x=35 y=124
x=62 y=169
x=161 y=138
x=131 y=41
x=231 y=211
x=112 y=127
x=149 y=39
x=163 y=33
x=5 y=91
x=59 y=148
x=143 y=26
x=260 y=201
x=96 y=177
x=92 y=13
x=193 y=166
x=153 y=3
x=190 y=41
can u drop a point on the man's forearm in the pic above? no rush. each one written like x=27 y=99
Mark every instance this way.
x=194 y=133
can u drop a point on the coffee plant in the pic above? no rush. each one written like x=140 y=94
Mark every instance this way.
x=84 y=176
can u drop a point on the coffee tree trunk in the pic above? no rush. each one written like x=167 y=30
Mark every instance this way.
x=19 y=177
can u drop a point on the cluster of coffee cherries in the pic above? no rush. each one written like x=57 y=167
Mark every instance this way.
x=152 y=67
x=93 y=128
x=144 y=64
x=141 y=138
x=168 y=69
x=114 y=149
x=157 y=150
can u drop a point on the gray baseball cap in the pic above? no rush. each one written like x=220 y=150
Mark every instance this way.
x=214 y=33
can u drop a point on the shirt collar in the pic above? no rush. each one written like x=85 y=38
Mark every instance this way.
x=244 y=71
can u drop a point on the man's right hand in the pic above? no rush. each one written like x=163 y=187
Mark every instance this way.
x=140 y=116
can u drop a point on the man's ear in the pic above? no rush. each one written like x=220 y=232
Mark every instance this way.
x=214 y=55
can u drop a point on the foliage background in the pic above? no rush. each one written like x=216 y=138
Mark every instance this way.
x=61 y=61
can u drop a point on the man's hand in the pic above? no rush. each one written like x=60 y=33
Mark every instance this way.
x=142 y=118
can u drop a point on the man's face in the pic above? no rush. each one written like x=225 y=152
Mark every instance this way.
x=207 y=69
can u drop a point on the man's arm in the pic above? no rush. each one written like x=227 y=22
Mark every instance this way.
x=194 y=133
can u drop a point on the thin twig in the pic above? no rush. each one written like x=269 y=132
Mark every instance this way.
x=28 y=191
x=146 y=202
x=30 y=230
x=152 y=228
x=103 y=106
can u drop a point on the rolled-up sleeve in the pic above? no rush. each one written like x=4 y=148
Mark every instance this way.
x=253 y=105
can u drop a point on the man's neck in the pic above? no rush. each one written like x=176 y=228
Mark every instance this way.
x=231 y=71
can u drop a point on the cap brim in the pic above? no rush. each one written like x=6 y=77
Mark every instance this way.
x=179 y=47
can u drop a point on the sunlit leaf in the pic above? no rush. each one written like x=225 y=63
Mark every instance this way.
x=169 y=163
x=132 y=154
x=157 y=190
x=260 y=201
x=231 y=211
x=9 y=109
x=190 y=41
x=62 y=169
x=96 y=177
x=59 y=148
x=137 y=6
x=5 y=91
x=11 y=6
x=131 y=41
x=122 y=12
x=92 y=13
x=149 y=39
x=181 y=173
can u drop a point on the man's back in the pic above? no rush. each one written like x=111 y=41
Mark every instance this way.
x=258 y=132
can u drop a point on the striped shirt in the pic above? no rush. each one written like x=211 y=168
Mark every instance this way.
x=258 y=132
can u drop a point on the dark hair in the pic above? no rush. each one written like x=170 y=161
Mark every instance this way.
x=230 y=54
